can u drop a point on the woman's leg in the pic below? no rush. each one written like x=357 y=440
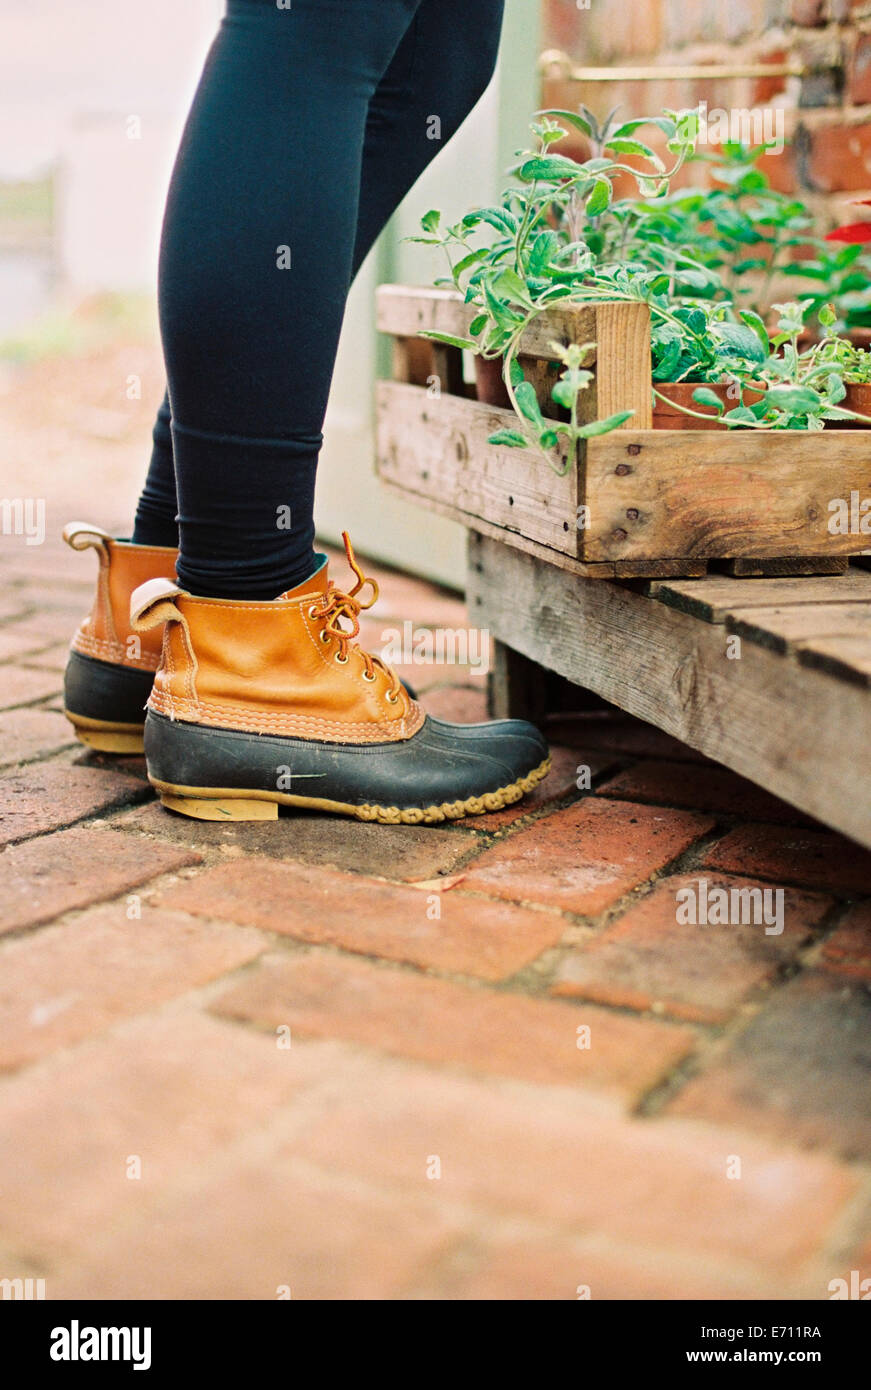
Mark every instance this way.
x=157 y=509
x=262 y=696
x=440 y=68
x=255 y=265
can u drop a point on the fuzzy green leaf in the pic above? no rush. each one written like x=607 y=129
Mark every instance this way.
x=705 y=396
x=448 y=338
x=613 y=422
x=544 y=248
x=494 y=217
x=467 y=261
x=629 y=128
x=835 y=388
x=527 y=402
x=573 y=119
x=564 y=394
x=635 y=147
x=741 y=340
x=509 y=439
x=599 y=199
x=798 y=400
x=515 y=372
x=550 y=166
x=756 y=324
x=510 y=283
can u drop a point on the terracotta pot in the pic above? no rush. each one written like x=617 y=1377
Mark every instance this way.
x=858 y=398
x=859 y=337
x=670 y=417
x=489 y=386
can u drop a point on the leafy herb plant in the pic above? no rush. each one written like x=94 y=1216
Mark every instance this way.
x=703 y=260
x=540 y=252
x=799 y=390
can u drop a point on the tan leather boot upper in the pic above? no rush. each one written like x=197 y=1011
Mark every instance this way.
x=286 y=667
x=106 y=632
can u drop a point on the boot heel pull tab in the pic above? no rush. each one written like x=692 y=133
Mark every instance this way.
x=80 y=536
x=153 y=603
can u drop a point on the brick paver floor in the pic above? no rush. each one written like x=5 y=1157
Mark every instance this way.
x=486 y=1060
x=479 y=1061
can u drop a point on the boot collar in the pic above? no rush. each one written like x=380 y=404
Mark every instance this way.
x=315 y=584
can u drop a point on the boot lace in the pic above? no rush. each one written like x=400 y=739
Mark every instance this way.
x=336 y=604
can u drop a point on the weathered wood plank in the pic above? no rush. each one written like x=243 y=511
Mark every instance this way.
x=784 y=567
x=847 y=658
x=833 y=636
x=790 y=728
x=633 y=569
x=699 y=493
x=718 y=596
x=680 y=567
x=435 y=447
x=782 y=626
x=404 y=310
x=642 y=568
x=623 y=368
x=433 y=450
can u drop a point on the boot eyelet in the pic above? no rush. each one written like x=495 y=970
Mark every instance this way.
x=313 y=612
x=391 y=699
x=371 y=679
x=325 y=637
x=341 y=660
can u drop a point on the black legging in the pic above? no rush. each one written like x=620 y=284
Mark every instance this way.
x=309 y=125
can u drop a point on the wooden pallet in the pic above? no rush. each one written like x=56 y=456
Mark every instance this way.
x=660 y=503
x=791 y=712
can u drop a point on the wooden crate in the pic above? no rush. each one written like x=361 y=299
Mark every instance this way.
x=659 y=502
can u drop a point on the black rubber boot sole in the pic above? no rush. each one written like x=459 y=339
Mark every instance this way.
x=443 y=772
x=105 y=703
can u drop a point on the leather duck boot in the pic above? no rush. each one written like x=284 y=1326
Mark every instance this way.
x=110 y=669
x=258 y=704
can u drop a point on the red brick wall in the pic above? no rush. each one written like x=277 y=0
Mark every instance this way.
x=827 y=110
